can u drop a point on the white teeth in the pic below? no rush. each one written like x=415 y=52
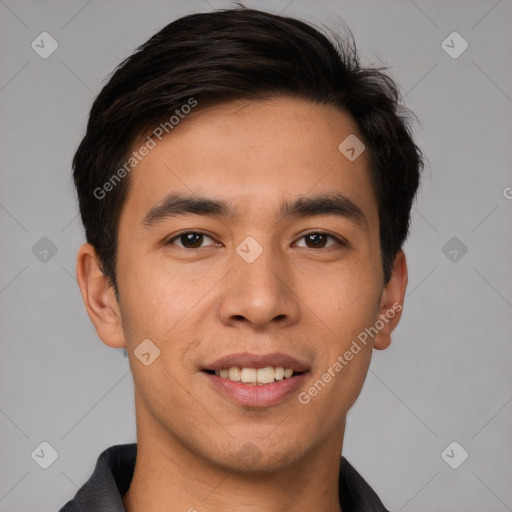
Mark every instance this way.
x=234 y=374
x=265 y=375
x=248 y=375
x=279 y=373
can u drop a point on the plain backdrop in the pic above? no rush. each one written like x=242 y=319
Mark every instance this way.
x=446 y=378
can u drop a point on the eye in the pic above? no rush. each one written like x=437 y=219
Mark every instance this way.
x=190 y=239
x=318 y=239
x=195 y=239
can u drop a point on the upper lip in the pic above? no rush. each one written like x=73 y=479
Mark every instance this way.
x=246 y=360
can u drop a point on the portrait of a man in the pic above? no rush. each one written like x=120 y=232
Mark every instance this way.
x=293 y=274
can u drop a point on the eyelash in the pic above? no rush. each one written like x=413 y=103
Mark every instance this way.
x=341 y=242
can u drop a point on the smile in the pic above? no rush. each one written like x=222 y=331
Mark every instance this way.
x=255 y=376
x=256 y=380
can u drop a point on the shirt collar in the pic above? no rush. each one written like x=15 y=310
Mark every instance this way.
x=114 y=469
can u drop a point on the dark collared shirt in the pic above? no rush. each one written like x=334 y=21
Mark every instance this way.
x=114 y=471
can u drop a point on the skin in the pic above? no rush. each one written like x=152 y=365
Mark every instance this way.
x=196 y=448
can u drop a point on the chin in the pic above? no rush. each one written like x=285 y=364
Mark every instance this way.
x=255 y=458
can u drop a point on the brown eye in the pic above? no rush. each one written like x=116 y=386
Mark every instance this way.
x=189 y=239
x=318 y=240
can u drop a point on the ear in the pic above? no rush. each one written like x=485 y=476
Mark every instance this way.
x=99 y=297
x=392 y=302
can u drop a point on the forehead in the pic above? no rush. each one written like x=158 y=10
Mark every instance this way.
x=253 y=154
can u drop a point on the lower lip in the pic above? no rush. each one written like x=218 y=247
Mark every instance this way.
x=254 y=395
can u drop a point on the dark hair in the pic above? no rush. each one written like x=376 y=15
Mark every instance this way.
x=241 y=54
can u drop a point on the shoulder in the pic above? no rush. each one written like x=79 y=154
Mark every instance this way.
x=356 y=495
x=111 y=478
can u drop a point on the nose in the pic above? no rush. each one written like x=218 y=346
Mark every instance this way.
x=259 y=293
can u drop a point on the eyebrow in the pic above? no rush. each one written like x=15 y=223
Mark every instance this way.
x=335 y=204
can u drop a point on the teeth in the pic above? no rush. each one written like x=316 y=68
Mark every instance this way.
x=248 y=375
x=234 y=374
x=265 y=375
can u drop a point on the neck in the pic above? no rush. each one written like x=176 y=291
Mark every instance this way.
x=170 y=477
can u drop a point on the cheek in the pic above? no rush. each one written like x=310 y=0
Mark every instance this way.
x=156 y=296
x=345 y=304
x=345 y=300
x=333 y=390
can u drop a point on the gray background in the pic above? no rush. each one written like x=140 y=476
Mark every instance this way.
x=447 y=374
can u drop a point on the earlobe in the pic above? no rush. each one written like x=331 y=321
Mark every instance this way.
x=392 y=301
x=99 y=297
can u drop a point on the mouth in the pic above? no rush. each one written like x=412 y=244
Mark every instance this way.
x=255 y=376
x=256 y=380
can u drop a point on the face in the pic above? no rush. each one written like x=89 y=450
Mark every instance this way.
x=267 y=273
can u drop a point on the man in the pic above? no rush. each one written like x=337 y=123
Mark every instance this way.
x=245 y=188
